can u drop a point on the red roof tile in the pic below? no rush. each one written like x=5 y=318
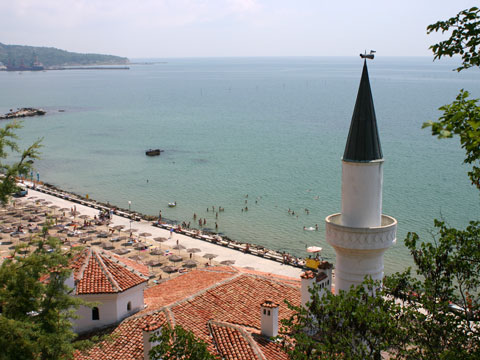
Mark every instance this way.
x=184 y=286
x=125 y=342
x=269 y=304
x=232 y=342
x=270 y=350
x=221 y=306
x=99 y=272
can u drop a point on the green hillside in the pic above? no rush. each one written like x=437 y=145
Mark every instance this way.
x=48 y=56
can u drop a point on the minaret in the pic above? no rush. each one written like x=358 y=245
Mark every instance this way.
x=360 y=234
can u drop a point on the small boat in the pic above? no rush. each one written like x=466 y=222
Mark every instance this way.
x=173 y=204
x=153 y=152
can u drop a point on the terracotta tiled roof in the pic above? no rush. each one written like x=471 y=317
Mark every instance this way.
x=98 y=272
x=270 y=350
x=141 y=268
x=125 y=342
x=232 y=342
x=184 y=286
x=221 y=306
x=269 y=304
x=307 y=275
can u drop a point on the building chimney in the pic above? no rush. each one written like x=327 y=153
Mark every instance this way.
x=323 y=279
x=308 y=277
x=148 y=330
x=269 y=318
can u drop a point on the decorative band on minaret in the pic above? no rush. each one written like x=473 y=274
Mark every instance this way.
x=360 y=234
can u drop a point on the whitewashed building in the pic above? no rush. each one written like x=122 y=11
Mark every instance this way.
x=114 y=283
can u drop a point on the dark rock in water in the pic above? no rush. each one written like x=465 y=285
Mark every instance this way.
x=153 y=152
x=23 y=112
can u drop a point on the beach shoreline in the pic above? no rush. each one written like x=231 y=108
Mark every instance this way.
x=243 y=255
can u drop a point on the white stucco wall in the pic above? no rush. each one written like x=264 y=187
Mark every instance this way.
x=305 y=295
x=362 y=193
x=135 y=296
x=112 y=308
x=269 y=321
x=353 y=265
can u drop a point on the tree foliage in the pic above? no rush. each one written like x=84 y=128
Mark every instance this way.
x=464 y=39
x=349 y=325
x=36 y=305
x=48 y=56
x=441 y=304
x=8 y=183
x=462 y=117
x=177 y=343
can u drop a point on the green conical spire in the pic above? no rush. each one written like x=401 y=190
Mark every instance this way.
x=363 y=143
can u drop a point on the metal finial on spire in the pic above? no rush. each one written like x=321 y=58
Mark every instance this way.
x=368 y=56
x=363 y=142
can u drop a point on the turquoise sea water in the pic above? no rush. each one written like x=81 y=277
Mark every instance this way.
x=272 y=128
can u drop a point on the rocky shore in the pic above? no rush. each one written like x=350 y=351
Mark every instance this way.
x=22 y=112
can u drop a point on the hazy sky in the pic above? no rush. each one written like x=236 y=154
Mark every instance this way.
x=192 y=28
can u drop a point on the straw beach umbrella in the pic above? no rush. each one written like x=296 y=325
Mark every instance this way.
x=169 y=269
x=154 y=263
x=140 y=246
x=193 y=251
x=160 y=240
x=135 y=258
x=210 y=257
x=179 y=247
x=190 y=264
x=227 y=262
x=121 y=251
x=156 y=252
x=107 y=246
x=175 y=258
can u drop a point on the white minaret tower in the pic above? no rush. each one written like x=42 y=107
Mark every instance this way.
x=360 y=234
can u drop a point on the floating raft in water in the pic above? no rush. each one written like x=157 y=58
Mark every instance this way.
x=153 y=152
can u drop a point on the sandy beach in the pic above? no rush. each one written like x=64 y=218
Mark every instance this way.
x=165 y=248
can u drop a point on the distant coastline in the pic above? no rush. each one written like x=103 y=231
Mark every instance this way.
x=34 y=58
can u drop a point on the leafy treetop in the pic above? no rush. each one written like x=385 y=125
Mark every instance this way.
x=464 y=40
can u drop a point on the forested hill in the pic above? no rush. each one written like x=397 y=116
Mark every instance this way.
x=48 y=56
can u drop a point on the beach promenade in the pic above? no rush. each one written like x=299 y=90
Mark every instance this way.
x=223 y=253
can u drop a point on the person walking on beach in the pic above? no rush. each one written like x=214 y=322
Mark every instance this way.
x=171 y=232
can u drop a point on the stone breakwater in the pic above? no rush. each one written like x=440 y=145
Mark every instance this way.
x=170 y=225
x=23 y=112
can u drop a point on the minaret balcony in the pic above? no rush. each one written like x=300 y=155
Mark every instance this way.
x=371 y=238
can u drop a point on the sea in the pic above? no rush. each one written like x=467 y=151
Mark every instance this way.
x=265 y=134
